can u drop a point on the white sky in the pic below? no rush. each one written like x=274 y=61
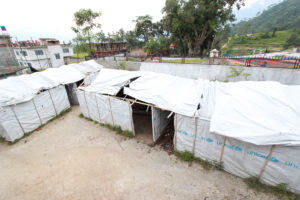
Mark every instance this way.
x=32 y=18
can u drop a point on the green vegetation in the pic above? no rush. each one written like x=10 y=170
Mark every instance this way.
x=187 y=61
x=259 y=41
x=123 y=65
x=279 y=190
x=114 y=128
x=282 y=16
x=236 y=73
x=207 y=165
x=80 y=55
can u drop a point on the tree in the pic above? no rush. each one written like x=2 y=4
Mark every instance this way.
x=157 y=46
x=85 y=20
x=194 y=21
x=132 y=40
x=144 y=27
x=100 y=37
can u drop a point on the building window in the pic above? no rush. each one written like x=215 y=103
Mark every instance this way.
x=39 y=52
x=66 y=50
x=24 y=53
x=17 y=53
x=57 y=56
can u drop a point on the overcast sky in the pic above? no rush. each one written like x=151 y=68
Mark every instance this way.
x=32 y=18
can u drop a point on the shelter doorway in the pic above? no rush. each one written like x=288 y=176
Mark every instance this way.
x=141 y=115
x=163 y=129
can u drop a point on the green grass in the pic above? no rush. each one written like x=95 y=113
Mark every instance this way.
x=256 y=41
x=187 y=61
x=80 y=55
x=134 y=59
x=279 y=190
x=114 y=128
x=207 y=165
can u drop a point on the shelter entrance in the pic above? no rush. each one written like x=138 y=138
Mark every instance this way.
x=142 y=123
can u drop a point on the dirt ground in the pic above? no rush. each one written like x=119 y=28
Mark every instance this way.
x=72 y=158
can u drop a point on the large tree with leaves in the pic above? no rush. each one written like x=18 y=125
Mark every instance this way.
x=192 y=22
x=86 y=22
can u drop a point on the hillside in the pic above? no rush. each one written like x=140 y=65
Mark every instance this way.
x=257 y=42
x=283 y=16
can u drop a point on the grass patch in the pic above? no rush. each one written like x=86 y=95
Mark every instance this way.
x=187 y=61
x=207 y=165
x=114 y=128
x=131 y=59
x=279 y=190
x=80 y=55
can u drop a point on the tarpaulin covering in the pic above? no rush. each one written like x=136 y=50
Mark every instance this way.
x=16 y=120
x=262 y=113
x=14 y=90
x=110 y=81
x=239 y=158
x=176 y=94
x=105 y=109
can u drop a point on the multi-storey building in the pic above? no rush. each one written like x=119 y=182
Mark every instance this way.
x=46 y=53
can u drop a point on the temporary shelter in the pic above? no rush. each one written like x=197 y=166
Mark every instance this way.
x=252 y=128
x=113 y=90
x=72 y=76
x=27 y=102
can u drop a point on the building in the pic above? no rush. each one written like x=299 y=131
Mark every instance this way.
x=43 y=54
x=7 y=56
x=110 y=48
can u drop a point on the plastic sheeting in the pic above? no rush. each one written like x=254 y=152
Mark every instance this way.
x=63 y=75
x=176 y=94
x=160 y=121
x=104 y=109
x=110 y=81
x=239 y=158
x=18 y=89
x=26 y=117
x=87 y=67
x=262 y=113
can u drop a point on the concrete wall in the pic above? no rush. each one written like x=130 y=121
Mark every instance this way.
x=7 y=57
x=222 y=73
x=213 y=72
x=126 y=65
x=56 y=49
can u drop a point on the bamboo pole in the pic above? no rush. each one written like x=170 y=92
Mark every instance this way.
x=17 y=119
x=37 y=111
x=98 y=108
x=222 y=150
x=195 y=135
x=52 y=102
x=112 y=117
x=266 y=162
x=86 y=104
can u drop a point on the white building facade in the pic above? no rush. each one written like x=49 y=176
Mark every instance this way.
x=38 y=57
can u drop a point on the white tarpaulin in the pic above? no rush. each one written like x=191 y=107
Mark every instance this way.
x=262 y=113
x=14 y=90
x=104 y=109
x=87 y=67
x=176 y=94
x=16 y=120
x=110 y=81
x=160 y=121
x=239 y=158
x=63 y=75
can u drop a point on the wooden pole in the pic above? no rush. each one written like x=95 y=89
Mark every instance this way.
x=222 y=150
x=37 y=111
x=112 y=117
x=195 y=135
x=17 y=119
x=266 y=162
x=52 y=102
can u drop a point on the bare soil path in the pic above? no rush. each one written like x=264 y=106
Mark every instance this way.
x=72 y=158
